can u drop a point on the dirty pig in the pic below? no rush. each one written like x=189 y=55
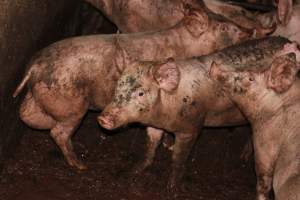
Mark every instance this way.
x=71 y=76
x=179 y=97
x=132 y=16
x=286 y=20
x=269 y=97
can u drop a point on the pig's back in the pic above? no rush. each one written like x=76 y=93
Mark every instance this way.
x=256 y=53
x=72 y=57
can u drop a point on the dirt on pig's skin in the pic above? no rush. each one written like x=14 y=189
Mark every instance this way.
x=38 y=170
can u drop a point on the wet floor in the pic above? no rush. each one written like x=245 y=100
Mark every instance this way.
x=214 y=171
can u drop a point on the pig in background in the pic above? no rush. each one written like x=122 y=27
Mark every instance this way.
x=269 y=97
x=290 y=28
x=179 y=97
x=146 y=15
x=71 y=76
x=149 y=15
x=143 y=15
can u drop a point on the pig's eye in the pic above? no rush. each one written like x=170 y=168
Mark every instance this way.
x=251 y=79
x=141 y=94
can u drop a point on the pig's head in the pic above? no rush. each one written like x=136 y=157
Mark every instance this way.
x=201 y=22
x=253 y=83
x=138 y=92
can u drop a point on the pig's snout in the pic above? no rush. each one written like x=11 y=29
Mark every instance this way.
x=106 y=121
x=108 y=118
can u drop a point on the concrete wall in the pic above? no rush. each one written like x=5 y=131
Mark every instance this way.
x=25 y=27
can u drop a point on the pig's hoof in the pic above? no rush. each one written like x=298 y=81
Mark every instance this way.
x=78 y=165
x=82 y=167
x=175 y=188
x=172 y=187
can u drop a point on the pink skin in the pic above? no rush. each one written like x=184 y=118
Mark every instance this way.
x=148 y=15
x=74 y=75
x=285 y=11
x=290 y=31
x=171 y=96
x=287 y=25
x=269 y=98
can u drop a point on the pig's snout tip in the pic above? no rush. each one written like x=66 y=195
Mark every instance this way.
x=106 y=122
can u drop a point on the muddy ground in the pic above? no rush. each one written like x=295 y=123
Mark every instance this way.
x=37 y=170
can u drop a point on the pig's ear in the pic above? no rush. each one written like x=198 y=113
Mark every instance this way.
x=167 y=75
x=216 y=73
x=282 y=73
x=196 y=22
x=284 y=11
x=122 y=60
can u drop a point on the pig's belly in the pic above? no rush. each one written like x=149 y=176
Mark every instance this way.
x=230 y=117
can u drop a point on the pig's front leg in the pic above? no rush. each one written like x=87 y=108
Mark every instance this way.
x=184 y=142
x=153 y=140
x=266 y=152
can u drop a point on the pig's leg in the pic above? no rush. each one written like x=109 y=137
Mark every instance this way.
x=182 y=147
x=67 y=111
x=32 y=114
x=265 y=156
x=61 y=134
x=154 y=138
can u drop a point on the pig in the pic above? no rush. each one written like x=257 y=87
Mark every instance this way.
x=179 y=97
x=286 y=20
x=71 y=76
x=132 y=16
x=289 y=27
x=149 y=15
x=268 y=95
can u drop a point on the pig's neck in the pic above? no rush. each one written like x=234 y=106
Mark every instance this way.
x=183 y=110
x=267 y=106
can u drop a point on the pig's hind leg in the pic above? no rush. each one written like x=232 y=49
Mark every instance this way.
x=36 y=117
x=66 y=125
x=67 y=108
x=62 y=133
x=32 y=114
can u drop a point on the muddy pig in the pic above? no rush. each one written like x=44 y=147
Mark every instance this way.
x=178 y=96
x=143 y=15
x=71 y=76
x=288 y=24
x=286 y=19
x=149 y=15
x=269 y=97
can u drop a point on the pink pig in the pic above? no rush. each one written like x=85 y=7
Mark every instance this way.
x=269 y=96
x=179 y=97
x=71 y=76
